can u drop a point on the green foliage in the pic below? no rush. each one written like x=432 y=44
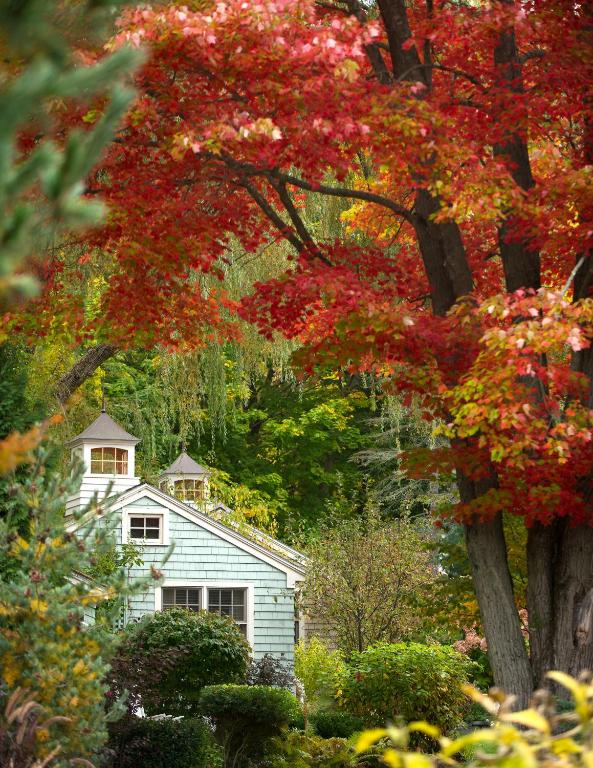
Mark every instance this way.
x=305 y=750
x=329 y=723
x=247 y=717
x=410 y=681
x=543 y=735
x=45 y=649
x=209 y=648
x=41 y=189
x=166 y=743
x=318 y=670
x=367 y=579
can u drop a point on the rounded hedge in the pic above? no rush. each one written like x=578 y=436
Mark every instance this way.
x=246 y=717
x=183 y=743
x=330 y=724
x=410 y=681
x=193 y=648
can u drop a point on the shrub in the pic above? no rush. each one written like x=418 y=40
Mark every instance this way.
x=270 y=670
x=305 y=750
x=329 y=724
x=406 y=680
x=318 y=670
x=166 y=743
x=194 y=648
x=247 y=717
x=526 y=739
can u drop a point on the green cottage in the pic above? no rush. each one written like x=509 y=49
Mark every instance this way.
x=244 y=574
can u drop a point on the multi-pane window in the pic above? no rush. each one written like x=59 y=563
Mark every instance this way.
x=145 y=527
x=109 y=461
x=230 y=602
x=189 y=490
x=184 y=597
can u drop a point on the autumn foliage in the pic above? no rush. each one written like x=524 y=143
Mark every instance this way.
x=461 y=134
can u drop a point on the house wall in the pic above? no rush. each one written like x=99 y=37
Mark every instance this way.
x=201 y=556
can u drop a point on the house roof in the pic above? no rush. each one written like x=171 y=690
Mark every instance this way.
x=185 y=465
x=105 y=428
x=278 y=557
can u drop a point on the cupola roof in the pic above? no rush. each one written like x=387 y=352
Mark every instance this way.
x=104 y=428
x=185 y=465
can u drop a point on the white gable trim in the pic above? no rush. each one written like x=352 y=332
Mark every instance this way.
x=294 y=574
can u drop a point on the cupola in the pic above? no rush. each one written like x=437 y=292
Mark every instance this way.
x=186 y=480
x=108 y=454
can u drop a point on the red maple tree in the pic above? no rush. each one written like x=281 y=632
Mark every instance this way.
x=462 y=135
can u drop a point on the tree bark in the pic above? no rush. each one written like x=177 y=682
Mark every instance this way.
x=83 y=369
x=542 y=547
x=573 y=600
x=449 y=276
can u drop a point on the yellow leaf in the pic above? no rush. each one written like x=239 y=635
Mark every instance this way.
x=468 y=740
x=370 y=737
x=480 y=698
x=417 y=760
x=38 y=606
x=566 y=747
x=568 y=682
x=392 y=758
x=529 y=718
x=422 y=726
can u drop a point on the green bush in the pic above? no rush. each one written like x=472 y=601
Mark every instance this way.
x=194 y=648
x=167 y=743
x=305 y=750
x=247 y=717
x=410 y=681
x=329 y=724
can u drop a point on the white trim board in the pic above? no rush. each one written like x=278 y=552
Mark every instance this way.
x=293 y=572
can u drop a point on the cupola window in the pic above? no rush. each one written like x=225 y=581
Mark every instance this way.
x=189 y=489
x=109 y=461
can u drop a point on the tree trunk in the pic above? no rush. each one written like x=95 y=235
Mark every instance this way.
x=573 y=600
x=83 y=369
x=542 y=547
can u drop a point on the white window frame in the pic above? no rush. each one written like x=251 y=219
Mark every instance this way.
x=205 y=584
x=159 y=512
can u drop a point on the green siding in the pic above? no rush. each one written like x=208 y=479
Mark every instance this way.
x=199 y=554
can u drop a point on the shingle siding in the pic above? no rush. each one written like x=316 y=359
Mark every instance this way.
x=201 y=555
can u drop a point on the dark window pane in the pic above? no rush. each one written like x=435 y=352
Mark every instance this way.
x=193 y=596
x=180 y=596
x=226 y=597
x=238 y=613
x=168 y=596
x=152 y=521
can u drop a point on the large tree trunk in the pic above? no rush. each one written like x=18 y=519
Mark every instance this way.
x=486 y=548
x=83 y=369
x=573 y=600
x=450 y=278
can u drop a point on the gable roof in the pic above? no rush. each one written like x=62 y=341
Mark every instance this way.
x=105 y=428
x=185 y=465
x=294 y=569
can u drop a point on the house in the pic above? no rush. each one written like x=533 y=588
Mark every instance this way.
x=237 y=571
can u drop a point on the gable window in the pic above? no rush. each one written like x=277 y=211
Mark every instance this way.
x=109 y=461
x=230 y=602
x=189 y=490
x=184 y=597
x=147 y=527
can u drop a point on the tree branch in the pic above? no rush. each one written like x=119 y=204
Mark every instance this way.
x=83 y=370
x=355 y=194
